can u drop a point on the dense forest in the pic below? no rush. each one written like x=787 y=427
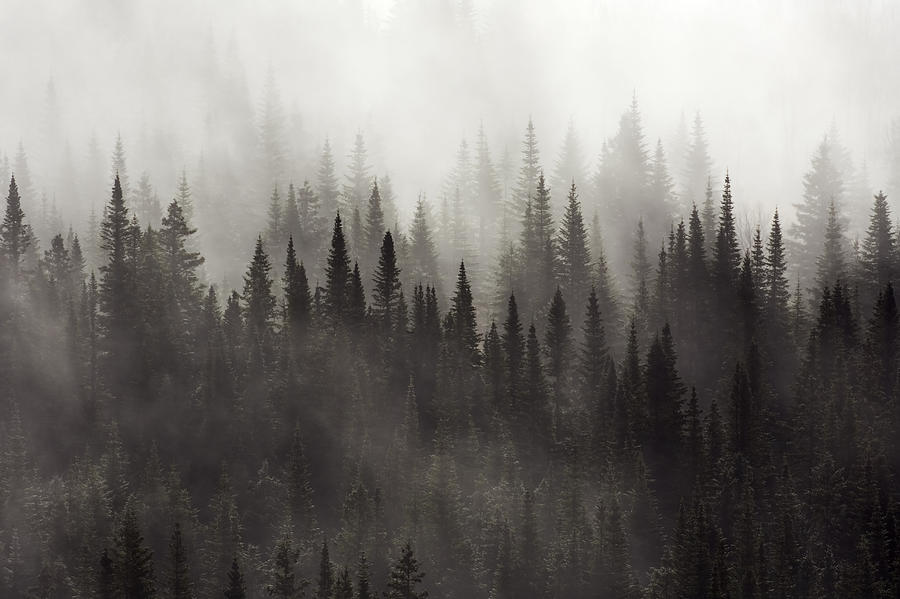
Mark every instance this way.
x=584 y=384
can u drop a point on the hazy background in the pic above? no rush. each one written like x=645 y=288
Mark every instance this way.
x=186 y=81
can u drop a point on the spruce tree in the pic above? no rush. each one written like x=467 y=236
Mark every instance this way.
x=275 y=226
x=362 y=578
x=298 y=300
x=132 y=561
x=727 y=254
x=514 y=351
x=570 y=165
x=180 y=586
x=879 y=252
x=830 y=265
x=259 y=302
x=374 y=229
x=574 y=255
x=285 y=583
x=776 y=284
x=640 y=277
x=235 y=588
x=698 y=165
x=337 y=275
x=526 y=183
x=558 y=344
x=386 y=287
x=326 y=574
x=424 y=261
x=326 y=181
x=358 y=181
x=822 y=186
x=15 y=234
x=405 y=577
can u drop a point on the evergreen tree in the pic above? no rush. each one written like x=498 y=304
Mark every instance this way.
x=423 y=263
x=258 y=300
x=285 y=583
x=662 y=188
x=386 y=291
x=640 y=278
x=326 y=181
x=275 y=226
x=405 y=577
x=573 y=249
x=526 y=184
x=727 y=255
x=326 y=574
x=830 y=265
x=698 y=166
x=337 y=274
x=132 y=561
x=362 y=578
x=822 y=186
x=777 y=294
x=558 y=344
x=180 y=586
x=235 y=588
x=358 y=180
x=570 y=165
x=374 y=227
x=514 y=351
x=15 y=234
x=879 y=253
x=298 y=300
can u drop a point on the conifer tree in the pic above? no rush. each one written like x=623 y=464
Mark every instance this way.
x=573 y=250
x=570 y=165
x=180 y=586
x=275 y=226
x=337 y=274
x=662 y=188
x=235 y=588
x=298 y=300
x=386 y=287
x=358 y=181
x=106 y=578
x=285 y=583
x=405 y=577
x=776 y=293
x=462 y=316
x=558 y=345
x=326 y=574
x=830 y=265
x=424 y=261
x=374 y=227
x=727 y=255
x=822 y=186
x=698 y=166
x=514 y=351
x=709 y=217
x=879 y=253
x=362 y=578
x=326 y=181
x=526 y=184
x=132 y=561
x=15 y=234
x=593 y=353
x=259 y=303
x=640 y=278
x=180 y=265
x=300 y=492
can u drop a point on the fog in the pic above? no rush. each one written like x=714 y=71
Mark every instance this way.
x=769 y=79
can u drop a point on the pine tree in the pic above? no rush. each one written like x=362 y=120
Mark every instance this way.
x=132 y=561
x=514 y=351
x=662 y=188
x=709 y=217
x=300 y=492
x=374 y=227
x=879 y=254
x=337 y=275
x=326 y=574
x=405 y=577
x=274 y=228
x=259 y=302
x=298 y=300
x=290 y=216
x=593 y=354
x=526 y=184
x=727 y=255
x=362 y=578
x=776 y=293
x=487 y=185
x=180 y=264
x=573 y=250
x=558 y=344
x=180 y=586
x=462 y=316
x=386 y=289
x=698 y=166
x=15 y=234
x=326 y=181
x=640 y=281
x=822 y=186
x=285 y=584
x=423 y=257
x=570 y=166
x=358 y=180
x=235 y=588
x=830 y=265
x=119 y=167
